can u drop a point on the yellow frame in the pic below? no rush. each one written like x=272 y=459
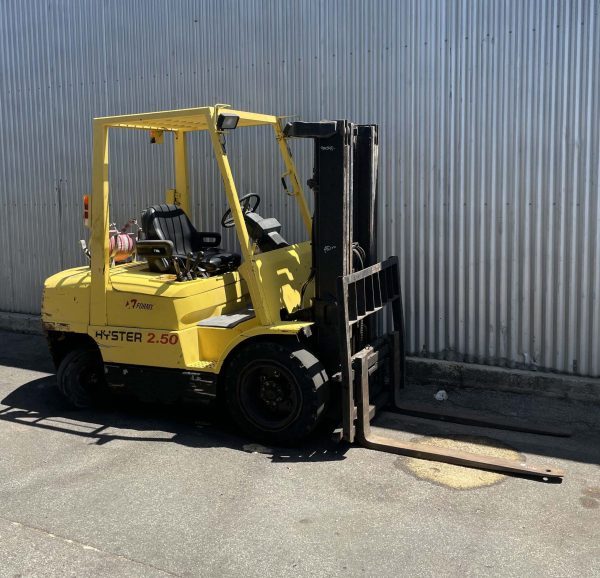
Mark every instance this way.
x=180 y=122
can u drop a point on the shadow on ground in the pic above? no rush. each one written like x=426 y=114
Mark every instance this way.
x=25 y=352
x=38 y=404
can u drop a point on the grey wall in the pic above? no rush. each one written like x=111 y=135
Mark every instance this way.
x=490 y=154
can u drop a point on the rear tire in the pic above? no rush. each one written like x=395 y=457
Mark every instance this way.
x=276 y=392
x=80 y=378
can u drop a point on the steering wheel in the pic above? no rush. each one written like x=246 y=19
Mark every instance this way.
x=249 y=204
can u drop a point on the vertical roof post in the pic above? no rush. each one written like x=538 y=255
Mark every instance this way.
x=182 y=197
x=99 y=230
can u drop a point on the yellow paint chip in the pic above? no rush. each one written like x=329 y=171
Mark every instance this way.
x=459 y=477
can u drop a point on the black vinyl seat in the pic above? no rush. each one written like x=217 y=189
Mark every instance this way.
x=170 y=223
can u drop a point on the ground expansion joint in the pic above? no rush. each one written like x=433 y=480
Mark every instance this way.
x=86 y=546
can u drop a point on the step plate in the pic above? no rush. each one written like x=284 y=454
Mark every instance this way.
x=228 y=321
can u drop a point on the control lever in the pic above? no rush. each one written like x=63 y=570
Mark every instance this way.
x=191 y=266
x=189 y=269
x=196 y=265
x=85 y=249
x=188 y=266
x=177 y=268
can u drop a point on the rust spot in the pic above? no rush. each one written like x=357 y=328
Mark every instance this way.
x=56 y=326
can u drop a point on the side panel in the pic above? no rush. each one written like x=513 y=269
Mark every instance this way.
x=154 y=320
x=196 y=348
x=275 y=331
x=156 y=311
x=66 y=301
x=281 y=274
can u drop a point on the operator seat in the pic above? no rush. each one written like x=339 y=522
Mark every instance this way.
x=170 y=223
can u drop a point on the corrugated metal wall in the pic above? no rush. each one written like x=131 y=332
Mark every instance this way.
x=490 y=156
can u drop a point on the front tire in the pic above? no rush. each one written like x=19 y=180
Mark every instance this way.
x=80 y=378
x=276 y=392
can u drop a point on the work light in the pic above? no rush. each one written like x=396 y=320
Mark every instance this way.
x=227 y=121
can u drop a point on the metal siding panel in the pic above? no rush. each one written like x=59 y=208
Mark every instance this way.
x=490 y=145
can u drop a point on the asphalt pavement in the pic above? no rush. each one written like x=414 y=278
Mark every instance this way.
x=166 y=491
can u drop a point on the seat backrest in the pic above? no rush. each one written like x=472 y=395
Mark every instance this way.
x=169 y=222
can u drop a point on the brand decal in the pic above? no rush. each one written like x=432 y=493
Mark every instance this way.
x=137 y=336
x=328 y=148
x=328 y=248
x=162 y=338
x=116 y=335
x=135 y=304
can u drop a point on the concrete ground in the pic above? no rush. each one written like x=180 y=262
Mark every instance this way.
x=160 y=492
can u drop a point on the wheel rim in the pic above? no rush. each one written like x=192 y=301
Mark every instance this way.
x=87 y=382
x=269 y=395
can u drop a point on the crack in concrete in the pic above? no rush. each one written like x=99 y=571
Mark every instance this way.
x=87 y=546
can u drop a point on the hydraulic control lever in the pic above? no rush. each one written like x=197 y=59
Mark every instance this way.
x=189 y=269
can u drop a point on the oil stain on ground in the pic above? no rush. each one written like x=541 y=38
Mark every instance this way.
x=459 y=477
x=590 y=497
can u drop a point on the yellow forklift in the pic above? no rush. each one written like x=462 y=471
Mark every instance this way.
x=281 y=332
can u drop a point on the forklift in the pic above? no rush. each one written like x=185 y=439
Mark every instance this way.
x=281 y=333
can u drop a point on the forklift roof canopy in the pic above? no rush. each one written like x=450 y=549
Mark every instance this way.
x=186 y=119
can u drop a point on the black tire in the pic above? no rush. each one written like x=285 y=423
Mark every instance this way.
x=80 y=378
x=276 y=392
